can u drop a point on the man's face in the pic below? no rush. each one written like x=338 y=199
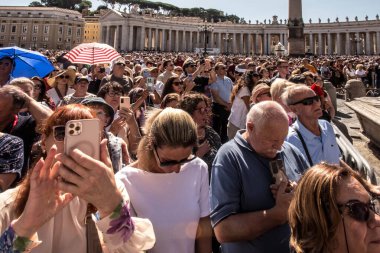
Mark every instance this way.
x=267 y=139
x=118 y=68
x=221 y=70
x=307 y=108
x=283 y=68
x=81 y=86
x=170 y=66
x=5 y=67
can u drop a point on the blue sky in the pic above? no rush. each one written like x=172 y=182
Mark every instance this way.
x=265 y=9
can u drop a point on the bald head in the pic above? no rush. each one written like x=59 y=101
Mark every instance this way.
x=266 y=112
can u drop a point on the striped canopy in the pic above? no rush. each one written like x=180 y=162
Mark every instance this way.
x=92 y=53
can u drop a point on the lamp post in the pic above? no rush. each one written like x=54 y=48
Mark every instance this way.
x=205 y=28
x=227 y=39
x=356 y=40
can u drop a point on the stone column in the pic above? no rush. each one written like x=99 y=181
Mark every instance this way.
x=191 y=42
x=241 y=44
x=176 y=42
x=257 y=44
x=296 y=45
x=106 y=37
x=368 y=43
x=184 y=42
x=116 y=38
x=377 y=42
x=149 y=38
x=329 y=44
x=348 y=44
x=320 y=43
x=156 y=40
x=338 y=44
x=163 y=42
x=265 y=44
x=249 y=42
x=124 y=36
x=198 y=39
x=211 y=39
x=358 y=46
x=233 y=50
x=220 y=42
x=142 y=39
x=131 y=36
x=311 y=43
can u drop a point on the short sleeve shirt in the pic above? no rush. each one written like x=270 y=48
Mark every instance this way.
x=223 y=85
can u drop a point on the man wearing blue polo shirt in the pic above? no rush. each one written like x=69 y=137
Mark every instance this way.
x=247 y=216
x=221 y=105
x=313 y=137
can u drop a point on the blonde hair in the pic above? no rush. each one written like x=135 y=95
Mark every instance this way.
x=278 y=87
x=169 y=127
x=313 y=212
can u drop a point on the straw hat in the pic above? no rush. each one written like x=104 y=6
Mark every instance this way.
x=70 y=72
x=258 y=90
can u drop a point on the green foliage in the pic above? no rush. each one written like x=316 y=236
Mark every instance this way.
x=36 y=4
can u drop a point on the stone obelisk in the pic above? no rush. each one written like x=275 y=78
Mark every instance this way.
x=296 y=41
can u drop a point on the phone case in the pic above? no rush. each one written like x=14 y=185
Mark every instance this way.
x=125 y=102
x=83 y=134
x=278 y=171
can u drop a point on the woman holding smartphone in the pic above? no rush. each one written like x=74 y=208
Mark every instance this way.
x=168 y=184
x=52 y=204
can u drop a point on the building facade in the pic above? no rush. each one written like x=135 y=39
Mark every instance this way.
x=40 y=27
x=91 y=29
x=134 y=31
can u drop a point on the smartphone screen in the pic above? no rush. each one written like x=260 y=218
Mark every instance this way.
x=150 y=83
x=278 y=171
x=146 y=73
x=125 y=102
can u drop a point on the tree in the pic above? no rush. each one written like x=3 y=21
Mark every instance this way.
x=84 y=4
x=66 y=4
x=36 y=4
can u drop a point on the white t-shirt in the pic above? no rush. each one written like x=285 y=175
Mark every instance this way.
x=239 y=110
x=173 y=202
x=52 y=93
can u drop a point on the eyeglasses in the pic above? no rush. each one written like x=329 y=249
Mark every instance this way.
x=177 y=83
x=238 y=73
x=360 y=211
x=284 y=66
x=37 y=87
x=172 y=162
x=59 y=133
x=192 y=65
x=120 y=64
x=308 y=101
x=114 y=93
x=202 y=110
x=66 y=77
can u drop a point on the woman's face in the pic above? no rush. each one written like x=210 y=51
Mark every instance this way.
x=63 y=79
x=36 y=89
x=177 y=86
x=175 y=156
x=361 y=236
x=200 y=115
x=113 y=98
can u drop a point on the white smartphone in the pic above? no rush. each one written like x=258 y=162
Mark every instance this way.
x=83 y=134
x=150 y=83
x=125 y=102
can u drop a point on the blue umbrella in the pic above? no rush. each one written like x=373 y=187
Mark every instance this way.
x=27 y=63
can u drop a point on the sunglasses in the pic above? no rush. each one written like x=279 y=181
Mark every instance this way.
x=59 y=133
x=120 y=64
x=66 y=77
x=359 y=211
x=172 y=162
x=308 y=101
x=238 y=73
x=176 y=83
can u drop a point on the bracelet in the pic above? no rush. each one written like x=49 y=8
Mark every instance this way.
x=20 y=244
x=121 y=222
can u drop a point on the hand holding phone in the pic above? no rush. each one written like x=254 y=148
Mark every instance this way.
x=150 y=84
x=278 y=171
x=83 y=134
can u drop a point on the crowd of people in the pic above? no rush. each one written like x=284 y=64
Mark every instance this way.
x=211 y=154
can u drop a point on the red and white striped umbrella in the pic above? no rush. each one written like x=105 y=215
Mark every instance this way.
x=92 y=53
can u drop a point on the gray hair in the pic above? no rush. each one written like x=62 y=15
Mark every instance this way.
x=288 y=97
x=265 y=112
x=21 y=80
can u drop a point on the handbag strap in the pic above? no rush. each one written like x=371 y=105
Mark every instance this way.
x=304 y=146
x=92 y=236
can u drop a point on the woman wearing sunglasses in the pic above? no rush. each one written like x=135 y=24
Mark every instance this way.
x=169 y=185
x=172 y=85
x=50 y=209
x=61 y=85
x=334 y=210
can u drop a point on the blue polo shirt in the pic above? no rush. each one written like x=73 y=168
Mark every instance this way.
x=321 y=148
x=240 y=180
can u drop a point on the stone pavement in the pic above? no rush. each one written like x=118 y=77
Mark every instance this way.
x=368 y=150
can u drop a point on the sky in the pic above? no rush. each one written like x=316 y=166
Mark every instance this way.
x=264 y=9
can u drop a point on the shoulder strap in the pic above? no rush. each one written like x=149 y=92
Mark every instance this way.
x=304 y=146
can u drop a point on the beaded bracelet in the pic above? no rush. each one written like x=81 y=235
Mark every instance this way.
x=121 y=222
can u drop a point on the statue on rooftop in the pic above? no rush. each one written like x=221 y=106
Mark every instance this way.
x=356 y=18
x=347 y=19
x=310 y=20
x=319 y=20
